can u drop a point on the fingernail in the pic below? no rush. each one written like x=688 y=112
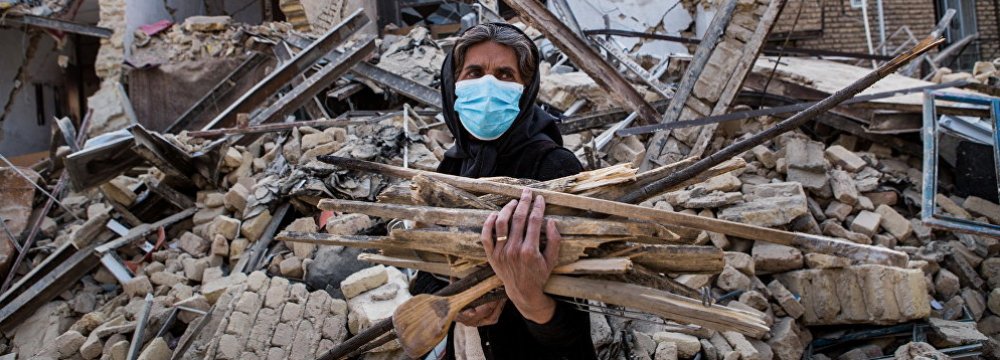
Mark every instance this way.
x=539 y=198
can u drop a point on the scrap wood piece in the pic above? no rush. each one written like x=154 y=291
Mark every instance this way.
x=265 y=128
x=173 y=161
x=60 y=279
x=168 y=193
x=689 y=259
x=806 y=242
x=473 y=218
x=661 y=303
x=583 y=56
x=302 y=61
x=426 y=191
x=313 y=107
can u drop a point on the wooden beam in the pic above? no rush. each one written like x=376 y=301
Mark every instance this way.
x=806 y=242
x=583 y=56
x=302 y=61
x=141 y=231
x=313 y=107
x=473 y=218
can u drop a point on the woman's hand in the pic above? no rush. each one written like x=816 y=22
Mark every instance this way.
x=482 y=315
x=516 y=258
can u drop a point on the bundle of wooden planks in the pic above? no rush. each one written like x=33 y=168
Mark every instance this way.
x=612 y=260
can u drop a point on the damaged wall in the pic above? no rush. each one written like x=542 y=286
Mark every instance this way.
x=671 y=18
x=20 y=132
x=841 y=26
x=138 y=13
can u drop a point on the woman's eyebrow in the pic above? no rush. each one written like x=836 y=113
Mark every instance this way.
x=471 y=67
x=506 y=69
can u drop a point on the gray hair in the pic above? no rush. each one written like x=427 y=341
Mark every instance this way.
x=504 y=35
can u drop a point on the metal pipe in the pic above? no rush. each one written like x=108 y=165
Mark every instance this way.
x=868 y=31
x=881 y=24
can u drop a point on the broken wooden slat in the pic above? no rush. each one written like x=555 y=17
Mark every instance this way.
x=472 y=218
x=430 y=192
x=689 y=259
x=583 y=56
x=807 y=242
x=264 y=128
x=297 y=65
x=307 y=90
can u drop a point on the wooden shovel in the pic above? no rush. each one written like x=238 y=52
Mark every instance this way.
x=422 y=322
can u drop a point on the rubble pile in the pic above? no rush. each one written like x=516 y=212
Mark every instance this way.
x=984 y=72
x=201 y=36
x=248 y=241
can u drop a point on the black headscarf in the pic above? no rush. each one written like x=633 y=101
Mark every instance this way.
x=478 y=158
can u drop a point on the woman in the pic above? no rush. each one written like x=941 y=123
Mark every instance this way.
x=489 y=85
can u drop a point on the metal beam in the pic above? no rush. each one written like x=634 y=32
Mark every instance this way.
x=312 y=85
x=302 y=61
x=219 y=92
x=58 y=25
x=406 y=87
x=584 y=57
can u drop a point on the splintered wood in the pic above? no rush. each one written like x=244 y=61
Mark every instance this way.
x=448 y=217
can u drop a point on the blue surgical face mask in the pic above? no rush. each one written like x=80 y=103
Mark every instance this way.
x=487 y=106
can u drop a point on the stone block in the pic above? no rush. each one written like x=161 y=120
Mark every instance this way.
x=785 y=299
x=687 y=346
x=981 y=207
x=838 y=210
x=156 y=350
x=305 y=224
x=866 y=222
x=225 y=226
x=138 y=286
x=846 y=159
x=894 y=223
x=805 y=154
x=364 y=280
x=291 y=267
x=768 y=205
x=731 y=280
x=844 y=189
x=945 y=333
x=775 y=258
x=253 y=228
x=193 y=244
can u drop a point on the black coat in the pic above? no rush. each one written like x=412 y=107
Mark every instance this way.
x=532 y=149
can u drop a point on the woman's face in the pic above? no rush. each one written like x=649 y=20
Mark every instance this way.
x=491 y=58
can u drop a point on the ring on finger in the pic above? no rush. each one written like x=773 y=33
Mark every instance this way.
x=501 y=238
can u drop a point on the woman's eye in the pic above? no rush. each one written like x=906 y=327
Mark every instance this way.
x=475 y=74
x=506 y=77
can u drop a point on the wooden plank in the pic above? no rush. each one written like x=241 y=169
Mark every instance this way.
x=806 y=242
x=168 y=193
x=96 y=165
x=284 y=74
x=474 y=218
x=583 y=56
